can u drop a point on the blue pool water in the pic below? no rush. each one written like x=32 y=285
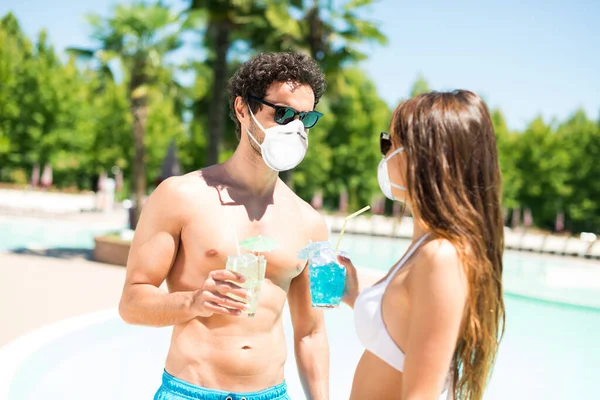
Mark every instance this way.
x=551 y=278
x=26 y=233
x=550 y=349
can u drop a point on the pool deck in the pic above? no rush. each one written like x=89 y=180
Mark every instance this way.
x=38 y=290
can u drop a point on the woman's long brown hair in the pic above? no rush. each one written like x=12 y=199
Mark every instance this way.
x=454 y=188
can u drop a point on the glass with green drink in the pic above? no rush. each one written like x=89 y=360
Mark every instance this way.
x=252 y=266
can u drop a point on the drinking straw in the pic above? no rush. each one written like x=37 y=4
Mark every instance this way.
x=349 y=217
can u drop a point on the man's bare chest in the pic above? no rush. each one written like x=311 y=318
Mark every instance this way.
x=207 y=241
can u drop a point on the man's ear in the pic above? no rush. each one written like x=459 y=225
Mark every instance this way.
x=241 y=109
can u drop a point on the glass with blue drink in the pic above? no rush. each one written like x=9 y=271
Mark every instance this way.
x=327 y=276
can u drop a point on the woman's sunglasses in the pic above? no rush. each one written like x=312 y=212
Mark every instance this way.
x=285 y=115
x=385 y=143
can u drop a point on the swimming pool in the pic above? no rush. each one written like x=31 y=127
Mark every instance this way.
x=569 y=280
x=549 y=352
x=550 y=349
x=30 y=233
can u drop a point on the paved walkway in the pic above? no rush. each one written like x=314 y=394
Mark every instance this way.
x=38 y=290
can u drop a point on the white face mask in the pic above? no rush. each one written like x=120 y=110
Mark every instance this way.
x=383 y=176
x=284 y=146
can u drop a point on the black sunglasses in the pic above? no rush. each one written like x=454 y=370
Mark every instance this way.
x=285 y=115
x=385 y=143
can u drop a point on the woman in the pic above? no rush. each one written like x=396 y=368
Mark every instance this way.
x=431 y=327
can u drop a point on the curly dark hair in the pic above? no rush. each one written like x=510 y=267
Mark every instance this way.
x=254 y=77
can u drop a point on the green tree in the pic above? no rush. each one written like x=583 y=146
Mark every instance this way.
x=139 y=36
x=542 y=162
x=15 y=55
x=113 y=143
x=44 y=103
x=267 y=26
x=581 y=138
x=332 y=34
x=358 y=115
x=507 y=144
x=227 y=23
x=420 y=86
x=164 y=124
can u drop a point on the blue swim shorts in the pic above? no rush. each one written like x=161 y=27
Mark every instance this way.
x=176 y=389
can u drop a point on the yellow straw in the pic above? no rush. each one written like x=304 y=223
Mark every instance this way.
x=349 y=217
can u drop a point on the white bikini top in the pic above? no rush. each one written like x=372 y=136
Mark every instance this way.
x=368 y=319
x=369 y=324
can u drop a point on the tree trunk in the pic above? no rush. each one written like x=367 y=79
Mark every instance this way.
x=315 y=34
x=217 y=109
x=316 y=46
x=139 y=110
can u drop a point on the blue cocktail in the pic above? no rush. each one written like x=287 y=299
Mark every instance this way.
x=327 y=277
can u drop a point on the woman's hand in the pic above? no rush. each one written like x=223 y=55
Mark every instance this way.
x=351 y=289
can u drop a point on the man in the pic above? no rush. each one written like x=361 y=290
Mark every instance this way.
x=186 y=232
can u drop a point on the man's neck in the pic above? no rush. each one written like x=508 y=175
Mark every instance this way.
x=249 y=171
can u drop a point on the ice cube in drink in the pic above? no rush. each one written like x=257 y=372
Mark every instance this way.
x=327 y=277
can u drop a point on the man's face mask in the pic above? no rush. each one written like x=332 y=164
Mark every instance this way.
x=285 y=144
x=383 y=176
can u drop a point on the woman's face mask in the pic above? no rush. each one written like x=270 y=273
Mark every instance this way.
x=284 y=146
x=383 y=176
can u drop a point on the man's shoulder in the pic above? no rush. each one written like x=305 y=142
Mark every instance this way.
x=182 y=188
x=314 y=220
x=307 y=211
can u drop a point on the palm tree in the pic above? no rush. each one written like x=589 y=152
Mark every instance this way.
x=267 y=25
x=227 y=22
x=138 y=36
x=330 y=34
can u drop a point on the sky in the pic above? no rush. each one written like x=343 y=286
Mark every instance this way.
x=526 y=57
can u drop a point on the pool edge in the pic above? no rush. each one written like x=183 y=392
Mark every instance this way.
x=15 y=352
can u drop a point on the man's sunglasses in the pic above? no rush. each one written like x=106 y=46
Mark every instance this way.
x=285 y=115
x=385 y=143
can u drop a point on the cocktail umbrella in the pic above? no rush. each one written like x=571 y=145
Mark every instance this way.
x=259 y=244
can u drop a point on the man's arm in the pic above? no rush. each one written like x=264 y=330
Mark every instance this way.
x=310 y=337
x=153 y=252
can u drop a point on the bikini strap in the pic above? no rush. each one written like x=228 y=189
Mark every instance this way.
x=403 y=260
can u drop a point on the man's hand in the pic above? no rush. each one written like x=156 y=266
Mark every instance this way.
x=212 y=297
